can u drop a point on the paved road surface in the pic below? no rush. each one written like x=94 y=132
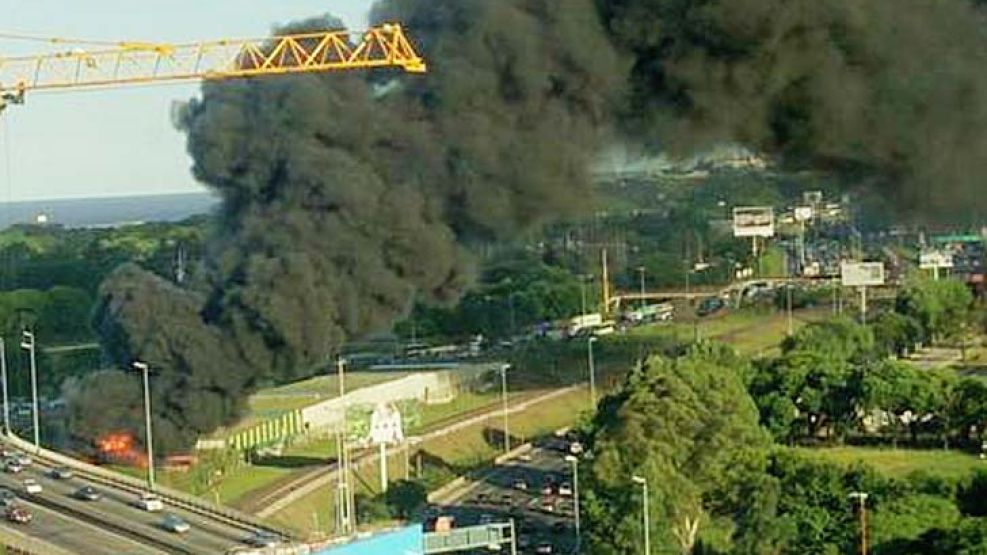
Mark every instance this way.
x=112 y=524
x=499 y=499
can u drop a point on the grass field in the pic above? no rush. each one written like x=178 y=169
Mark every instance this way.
x=898 y=463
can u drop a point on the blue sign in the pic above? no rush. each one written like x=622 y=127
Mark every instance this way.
x=409 y=541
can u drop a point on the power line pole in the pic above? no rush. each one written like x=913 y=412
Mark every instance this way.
x=3 y=375
x=861 y=497
x=148 y=435
x=27 y=342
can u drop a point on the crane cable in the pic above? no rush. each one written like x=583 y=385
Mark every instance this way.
x=55 y=40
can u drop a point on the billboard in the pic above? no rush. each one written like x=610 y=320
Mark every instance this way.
x=385 y=425
x=803 y=213
x=753 y=221
x=860 y=274
x=931 y=260
x=407 y=541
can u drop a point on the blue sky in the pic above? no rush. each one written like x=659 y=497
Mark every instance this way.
x=121 y=142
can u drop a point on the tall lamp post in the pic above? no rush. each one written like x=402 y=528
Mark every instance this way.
x=592 y=371
x=27 y=342
x=643 y=482
x=861 y=497
x=3 y=376
x=145 y=371
x=641 y=271
x=574 y=461
x=503 y=395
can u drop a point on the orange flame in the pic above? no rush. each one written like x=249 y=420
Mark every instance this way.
x=121 y=447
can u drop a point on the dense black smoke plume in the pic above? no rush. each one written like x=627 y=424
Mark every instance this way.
x=891 y=93
x=346 y=195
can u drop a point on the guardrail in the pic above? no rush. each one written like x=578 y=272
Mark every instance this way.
x=128 y=483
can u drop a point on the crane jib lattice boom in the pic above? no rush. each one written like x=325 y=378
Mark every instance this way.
x=128 y=63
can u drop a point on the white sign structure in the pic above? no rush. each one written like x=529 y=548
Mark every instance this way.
x=862 y=274
x=385 y=425
x=932 y=260
x=803 y=213
x=753 y=221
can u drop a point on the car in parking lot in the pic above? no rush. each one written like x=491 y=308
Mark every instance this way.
x=12 y=467
x=32 y=486
x=175 y=523
x=545 y=548
x=22 y=459
x=88 y=493
x=520 y=485
x=565 y=489
x=149 y=502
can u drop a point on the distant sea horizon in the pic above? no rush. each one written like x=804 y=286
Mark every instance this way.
x=108 y=211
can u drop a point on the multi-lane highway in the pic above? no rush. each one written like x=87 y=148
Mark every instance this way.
x=113 y=524
x=535 y=491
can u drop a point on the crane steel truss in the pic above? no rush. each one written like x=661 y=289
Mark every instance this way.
x=129 y=63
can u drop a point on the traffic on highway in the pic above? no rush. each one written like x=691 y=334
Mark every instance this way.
x=536 y=490
x=57 y=505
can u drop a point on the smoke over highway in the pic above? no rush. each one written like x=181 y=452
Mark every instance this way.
x=345 y=196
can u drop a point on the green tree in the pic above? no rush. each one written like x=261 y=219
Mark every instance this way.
x=405 y=498
x=942 y=307
x=689 y=427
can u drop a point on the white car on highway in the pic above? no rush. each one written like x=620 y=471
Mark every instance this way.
x=149 y=502
x=32 y=486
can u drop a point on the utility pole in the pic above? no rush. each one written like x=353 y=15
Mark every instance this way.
x=575 y=494
x=345 y=503
x=592 y=371
x=27 y=342
x=643 y=482
x=145 y=370
x=861 y=497
x=3 y=376
x=503 y=394
x=641 y=270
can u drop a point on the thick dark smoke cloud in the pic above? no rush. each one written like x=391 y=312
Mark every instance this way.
x=345 y=196
x=892 y=93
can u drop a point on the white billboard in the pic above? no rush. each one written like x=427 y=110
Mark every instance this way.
x=861 y=274
x=753 y=221
x=385 y=425
x=803 y=213
x=930 y=260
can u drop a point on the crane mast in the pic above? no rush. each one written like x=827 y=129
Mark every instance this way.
x=134 y=63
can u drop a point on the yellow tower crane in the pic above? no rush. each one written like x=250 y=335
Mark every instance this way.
x=110 y=64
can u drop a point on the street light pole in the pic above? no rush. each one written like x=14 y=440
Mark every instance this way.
x=643 y=482
x=575 y=494
x=641 y=270
x=3 y=376
x=145 y=371
x=592 y=371
x=27 y=342
x=503 y=394
x=861 y=497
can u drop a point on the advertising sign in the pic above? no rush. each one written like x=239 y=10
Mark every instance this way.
x=803 y=213
x=931 y=260
x=862 y=274
x=753 y=221
x=385 y=425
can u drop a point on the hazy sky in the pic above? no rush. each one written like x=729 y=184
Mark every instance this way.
x=121 y=142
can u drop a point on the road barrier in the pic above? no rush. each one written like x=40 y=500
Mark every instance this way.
x=128 y=483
